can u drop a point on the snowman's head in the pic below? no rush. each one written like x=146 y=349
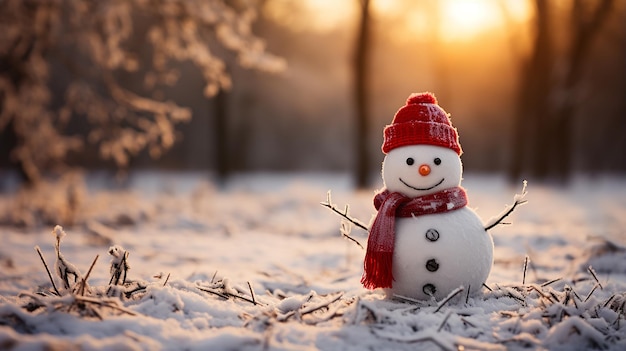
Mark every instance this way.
x=422 y=149
x=417 y=170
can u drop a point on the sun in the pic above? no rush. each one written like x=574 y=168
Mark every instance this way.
x=449 y=21
x=452 y=20
x=463 y=19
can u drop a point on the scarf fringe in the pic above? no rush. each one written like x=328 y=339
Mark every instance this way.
x=378 y=270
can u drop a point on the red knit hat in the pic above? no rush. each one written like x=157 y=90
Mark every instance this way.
x=421 y=121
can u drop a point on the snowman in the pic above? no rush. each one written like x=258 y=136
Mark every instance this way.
x=425 y=241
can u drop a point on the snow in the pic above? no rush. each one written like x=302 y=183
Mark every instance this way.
x=194 y=249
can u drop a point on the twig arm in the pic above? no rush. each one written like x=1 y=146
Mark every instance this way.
x=519 y=200
x=344 y=213
x=345 y=232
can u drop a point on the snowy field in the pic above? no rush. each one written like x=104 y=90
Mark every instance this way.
x=261 y=265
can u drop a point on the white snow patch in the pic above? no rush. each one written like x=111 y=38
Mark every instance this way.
x=272 y=233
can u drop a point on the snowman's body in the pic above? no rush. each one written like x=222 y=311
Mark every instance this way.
x=436 y=253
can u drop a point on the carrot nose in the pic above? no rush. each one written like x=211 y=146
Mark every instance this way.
x=424 y=170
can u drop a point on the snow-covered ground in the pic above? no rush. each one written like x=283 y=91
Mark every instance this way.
x=262 y=265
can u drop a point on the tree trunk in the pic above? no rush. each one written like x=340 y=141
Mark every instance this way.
x=8 y=142
x=529 y=133
x=361 y=83
x=220 y=146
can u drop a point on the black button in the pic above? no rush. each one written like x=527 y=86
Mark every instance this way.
x=432 y=234
x=429 y=289
x=432 y=265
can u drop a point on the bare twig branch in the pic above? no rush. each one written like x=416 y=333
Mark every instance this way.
x=211 y=291
x=227 y=295
x=591 y=292
x=550 y=282
x=251 y=293
x=609 y=300
x=126 y=267
x=252 y=301
x=105 y=303
x=130 y=293
x=408 y=299
x=449 y=297
x=314 y=308
x=525 y=268
x=344 y=214
x=47 y=270
x=576 y=294
x=593 y=273
x=83 y=282
x=519 y=200
x=91 y=267
x=166 y=279
x=445 y=319
x=555 y=297
x=464 y=320
x=345 y=232
x=38 y=302
x=533 y=287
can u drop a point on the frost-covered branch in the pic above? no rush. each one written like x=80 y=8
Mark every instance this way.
x=63 y=267
x=99 y=44
x=346 y=229
x=518 y=200
x=344 y=213
x=83 y=282
x=223 y=289
x=595 y=276
x=54 y=286
x=449 y=297
x=119 y=265
x=525 y=270
x=346 y=224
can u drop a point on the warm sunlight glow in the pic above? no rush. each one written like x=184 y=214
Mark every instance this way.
x=445 y=20
x=315 y=15
x=463 y=19
x=328 y=14
x=450 y=20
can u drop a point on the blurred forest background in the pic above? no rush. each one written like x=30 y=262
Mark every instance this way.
x=536 y=88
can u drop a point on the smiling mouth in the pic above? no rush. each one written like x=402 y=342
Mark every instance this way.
x=415 y=188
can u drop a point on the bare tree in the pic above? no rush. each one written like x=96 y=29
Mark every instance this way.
x=64 y=59
x=533 y=92
x=548 y=94
x=361 y=84
x=221 y=150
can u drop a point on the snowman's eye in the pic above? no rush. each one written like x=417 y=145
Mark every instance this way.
x=410 y=161
x=437 y=161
